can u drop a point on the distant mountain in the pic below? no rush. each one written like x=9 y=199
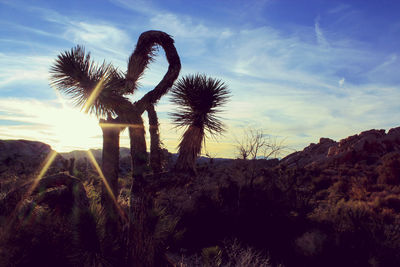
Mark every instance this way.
x=125 y=158
x=125 y=152
x=369 y=148
x=81 y=154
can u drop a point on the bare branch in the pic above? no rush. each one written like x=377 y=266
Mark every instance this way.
x=255 y=144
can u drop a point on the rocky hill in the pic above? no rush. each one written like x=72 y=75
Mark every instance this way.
x=367 y=147
x=23 y=157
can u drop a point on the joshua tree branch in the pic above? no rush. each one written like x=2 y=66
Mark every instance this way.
x=142 y=56
x=155 y=148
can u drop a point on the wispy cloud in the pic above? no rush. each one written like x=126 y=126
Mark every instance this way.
x=25 y=69
x=339 y=9
x=319 y=34
x=341 y=82
x=99 y=36
x=140 y=6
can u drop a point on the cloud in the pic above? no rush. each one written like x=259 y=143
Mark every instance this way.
x=145 y=7
x=339 y=9
x=99 y=36
x=389 y=62
x=25 y=69
x=321 y=40
x=181 y=26
x=341 y=82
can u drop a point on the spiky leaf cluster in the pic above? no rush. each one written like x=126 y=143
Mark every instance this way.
x=199 y=98
x=76 y=75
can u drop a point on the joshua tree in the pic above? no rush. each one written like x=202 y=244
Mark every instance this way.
x=137 y=63
x=198 y=98
x=98 y=90
x=141 y=234
x=101 y=90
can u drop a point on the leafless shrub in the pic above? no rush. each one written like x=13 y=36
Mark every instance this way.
x=255 y=143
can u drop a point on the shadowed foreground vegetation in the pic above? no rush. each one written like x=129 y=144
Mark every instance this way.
x=337 y=214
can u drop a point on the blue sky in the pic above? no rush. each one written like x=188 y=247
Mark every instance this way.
x=300 y=70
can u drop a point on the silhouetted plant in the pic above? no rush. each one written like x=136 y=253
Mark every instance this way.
x=143 y=252
x=98 y=90
x=101 y=90
x=198 y=99
x=55 y=217
x=156 y=155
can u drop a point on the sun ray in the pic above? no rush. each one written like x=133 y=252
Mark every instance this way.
x=119 y=125
x=95 y=93
x=46 y=165
x=108 y=188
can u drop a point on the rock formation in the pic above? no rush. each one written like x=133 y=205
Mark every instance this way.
x=368 y=147
x=21 y=157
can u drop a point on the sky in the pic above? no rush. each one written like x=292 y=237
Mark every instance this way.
x=298 y=70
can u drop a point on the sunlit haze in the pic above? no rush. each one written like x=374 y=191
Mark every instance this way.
x=300 y=70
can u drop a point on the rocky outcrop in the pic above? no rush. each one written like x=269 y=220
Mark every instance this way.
x=18 y=157
x=368 y=147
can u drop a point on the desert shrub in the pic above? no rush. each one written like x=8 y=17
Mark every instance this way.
x=321 y=183
x=389 y=170
x=359 y=233
x=270 y=214
x=212 y=256
x=393 y=202
x=231 y=253
x=237 y=255
x=53 y=226
x=43 y=237
x=39 y=241
x=311 y=243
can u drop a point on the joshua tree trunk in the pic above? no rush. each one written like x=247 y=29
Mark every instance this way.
x=141 y=240
x=138 y=146
x=141 y=232
x=155 y=148
x=189 y=149
x=71 y=166
x=143 y=246
x=109 y=195
x=110 y=160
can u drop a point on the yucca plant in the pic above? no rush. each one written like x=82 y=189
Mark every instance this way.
x=199 y=99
